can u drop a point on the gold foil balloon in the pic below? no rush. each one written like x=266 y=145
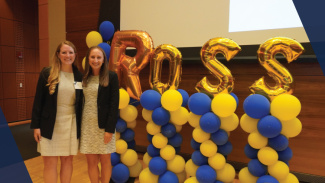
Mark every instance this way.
x=209 y=51
x=174 y=56
x=291 y=50
x=126 y=67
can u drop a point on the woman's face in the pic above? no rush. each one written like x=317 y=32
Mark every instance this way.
x=96 y=59
x=66 y=55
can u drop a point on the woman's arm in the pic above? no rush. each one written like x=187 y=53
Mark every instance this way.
x=114 y=98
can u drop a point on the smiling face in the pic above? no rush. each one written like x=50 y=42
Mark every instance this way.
x=66 y=55
x=96 y=60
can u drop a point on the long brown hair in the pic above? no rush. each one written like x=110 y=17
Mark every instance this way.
x=54 y=77
x=103 y=73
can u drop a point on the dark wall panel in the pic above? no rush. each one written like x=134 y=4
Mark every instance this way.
x=10 y=109
x=9 y=85
x=7 y=32
x=1 y=87
x=8 y=61
x=6 y=9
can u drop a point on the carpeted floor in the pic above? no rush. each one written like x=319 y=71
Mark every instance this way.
x=24 y=138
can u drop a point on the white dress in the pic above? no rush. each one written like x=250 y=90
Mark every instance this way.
x=64 y=140
x=92 y=137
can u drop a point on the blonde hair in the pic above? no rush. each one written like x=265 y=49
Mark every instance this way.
x=55 y=65
x=103 y=73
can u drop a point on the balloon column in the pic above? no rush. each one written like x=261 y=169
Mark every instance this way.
x=164 y=110
x=213 y=120
x=271 y=117
x=125 y=160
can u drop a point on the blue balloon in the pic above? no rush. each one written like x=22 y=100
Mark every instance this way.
x=157 y=165
x=256 y=168
x=168 y=177
x=177 y=149
x=250 y=152
x=134 y=102
x=279 y=143
x=153 y=151
x=131 y=144
x=160 y=116
x=285 y=155
x=236 y=98
x=206 y=174
x=225 y=149
x=198 y=158
x=150 y=99
x=106 y=30
x=149 y=137
x=199 y=103
x=209 y=122
x=195 y=145
x=120 y=173
x=256 y=106
x=220 y=137
x=120 y=125
x=107 y=49
x=115 y=158
x=176 y=140
x=267 y=179
x=168 y=130
x=185 y=96
x=128 y=135
x=269 y=126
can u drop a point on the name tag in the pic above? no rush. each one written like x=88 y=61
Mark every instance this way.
x=78 y=85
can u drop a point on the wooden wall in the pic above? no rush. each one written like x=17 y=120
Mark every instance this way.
x=308 y=147
x=18 y=75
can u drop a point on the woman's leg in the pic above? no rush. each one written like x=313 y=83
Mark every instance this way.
x=93 y=170
x=106 y=171
x=50 y=173
x=66 y=168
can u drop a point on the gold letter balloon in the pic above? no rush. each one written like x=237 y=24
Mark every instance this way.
x=209 y=51
x=126 y=67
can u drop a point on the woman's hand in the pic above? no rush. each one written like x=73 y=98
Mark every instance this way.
x=107 y=137
x=37 y=135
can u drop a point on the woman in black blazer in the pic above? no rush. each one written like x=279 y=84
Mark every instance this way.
x=100 y=113
x=56 y=114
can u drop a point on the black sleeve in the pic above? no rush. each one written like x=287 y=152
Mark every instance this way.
x=39 y=100
x=114 y=97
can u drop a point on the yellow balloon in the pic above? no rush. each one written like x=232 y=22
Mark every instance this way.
x=146 y=159
x=229 y=123
x=245 y=176
x=124 y=98
x=199 y=135
x=223 y=105
x=129 y=113
x=131 y=124
x=136 y=169
x=181 y=176
x=121 y=146
x=267 y=156
x=208 y=148
x=168 y=152
x=171 y=100
x=248 y=124
x=178 y=128
x=191 y=168
x=147 y=114
x=176 y=165
x=291 y=128
x=159 y=141
x=279 y=170
x=191 y=180
x=93 y=38
x=285 y=107
x=129 y=158
x=217 y=161
x=83 y=63
x=194 y=120
x=289 y=179
x=147 y=177
x=153 y=128
x=180 y=116
x=227 y=173
x=256 y=140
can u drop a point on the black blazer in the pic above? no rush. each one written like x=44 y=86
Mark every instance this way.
x=44 y=107
x=108 y=103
